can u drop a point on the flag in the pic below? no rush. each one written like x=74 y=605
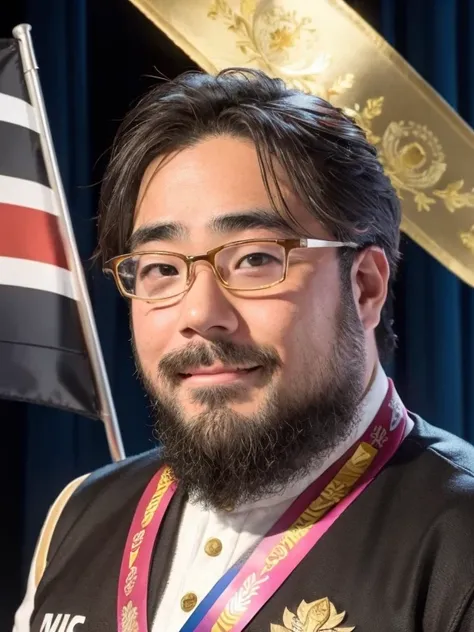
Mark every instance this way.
x=43 y=356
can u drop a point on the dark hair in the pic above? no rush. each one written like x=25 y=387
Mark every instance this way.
x=329 y=162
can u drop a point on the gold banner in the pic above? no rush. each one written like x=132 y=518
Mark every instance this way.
x=324 y=47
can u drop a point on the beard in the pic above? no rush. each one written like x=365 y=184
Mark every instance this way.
x=223 y=458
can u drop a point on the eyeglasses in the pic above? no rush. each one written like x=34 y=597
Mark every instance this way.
x=242 y=266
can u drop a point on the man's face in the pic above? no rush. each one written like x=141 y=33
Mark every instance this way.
x=232 y=433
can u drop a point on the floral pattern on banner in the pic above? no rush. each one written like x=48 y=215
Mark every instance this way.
x=285 y=44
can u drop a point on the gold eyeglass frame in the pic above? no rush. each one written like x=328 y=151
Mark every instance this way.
x=110 y=266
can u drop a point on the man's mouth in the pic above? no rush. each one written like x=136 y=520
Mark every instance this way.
x=216 y=374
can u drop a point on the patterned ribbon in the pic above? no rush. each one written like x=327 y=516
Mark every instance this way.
x=246 y=587
x=134 y=571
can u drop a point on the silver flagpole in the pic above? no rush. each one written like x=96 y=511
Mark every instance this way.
x=107 y=409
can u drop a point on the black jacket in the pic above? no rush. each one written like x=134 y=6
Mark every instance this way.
x=399 y=559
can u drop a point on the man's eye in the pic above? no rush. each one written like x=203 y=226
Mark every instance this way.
x=256 y=260
x=159 y=270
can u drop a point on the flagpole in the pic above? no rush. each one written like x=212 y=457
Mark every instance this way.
x=86 y=315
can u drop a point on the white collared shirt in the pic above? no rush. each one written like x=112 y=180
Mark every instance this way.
x=210 y=542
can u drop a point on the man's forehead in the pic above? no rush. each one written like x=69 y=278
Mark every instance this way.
x=216 y=177
x=220 y=167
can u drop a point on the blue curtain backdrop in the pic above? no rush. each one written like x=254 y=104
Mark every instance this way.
x=93 y=59
x=434 y=368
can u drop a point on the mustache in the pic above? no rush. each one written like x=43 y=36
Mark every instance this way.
x=200 y=354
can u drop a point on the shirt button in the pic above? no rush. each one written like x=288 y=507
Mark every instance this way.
x=188 y=602
x=213 y=547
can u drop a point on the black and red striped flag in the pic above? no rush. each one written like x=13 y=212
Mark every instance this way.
x=43 y=356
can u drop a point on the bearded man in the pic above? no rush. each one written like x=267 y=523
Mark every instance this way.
x=255 y=236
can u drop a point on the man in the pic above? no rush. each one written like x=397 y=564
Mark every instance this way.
x=255 y=236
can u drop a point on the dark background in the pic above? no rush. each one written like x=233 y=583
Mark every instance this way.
x=95 y=59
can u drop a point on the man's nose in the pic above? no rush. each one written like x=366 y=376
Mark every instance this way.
x=205 y=308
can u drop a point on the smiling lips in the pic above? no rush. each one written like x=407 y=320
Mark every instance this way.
x=211 y=375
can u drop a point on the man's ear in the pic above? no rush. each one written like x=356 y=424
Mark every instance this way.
x=370 y=275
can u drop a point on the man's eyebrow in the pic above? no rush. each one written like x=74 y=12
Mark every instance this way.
x=246 y=220
x=221 y=224
x=159 y=231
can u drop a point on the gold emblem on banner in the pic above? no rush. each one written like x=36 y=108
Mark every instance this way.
x=317 y=616
x=413 y=158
